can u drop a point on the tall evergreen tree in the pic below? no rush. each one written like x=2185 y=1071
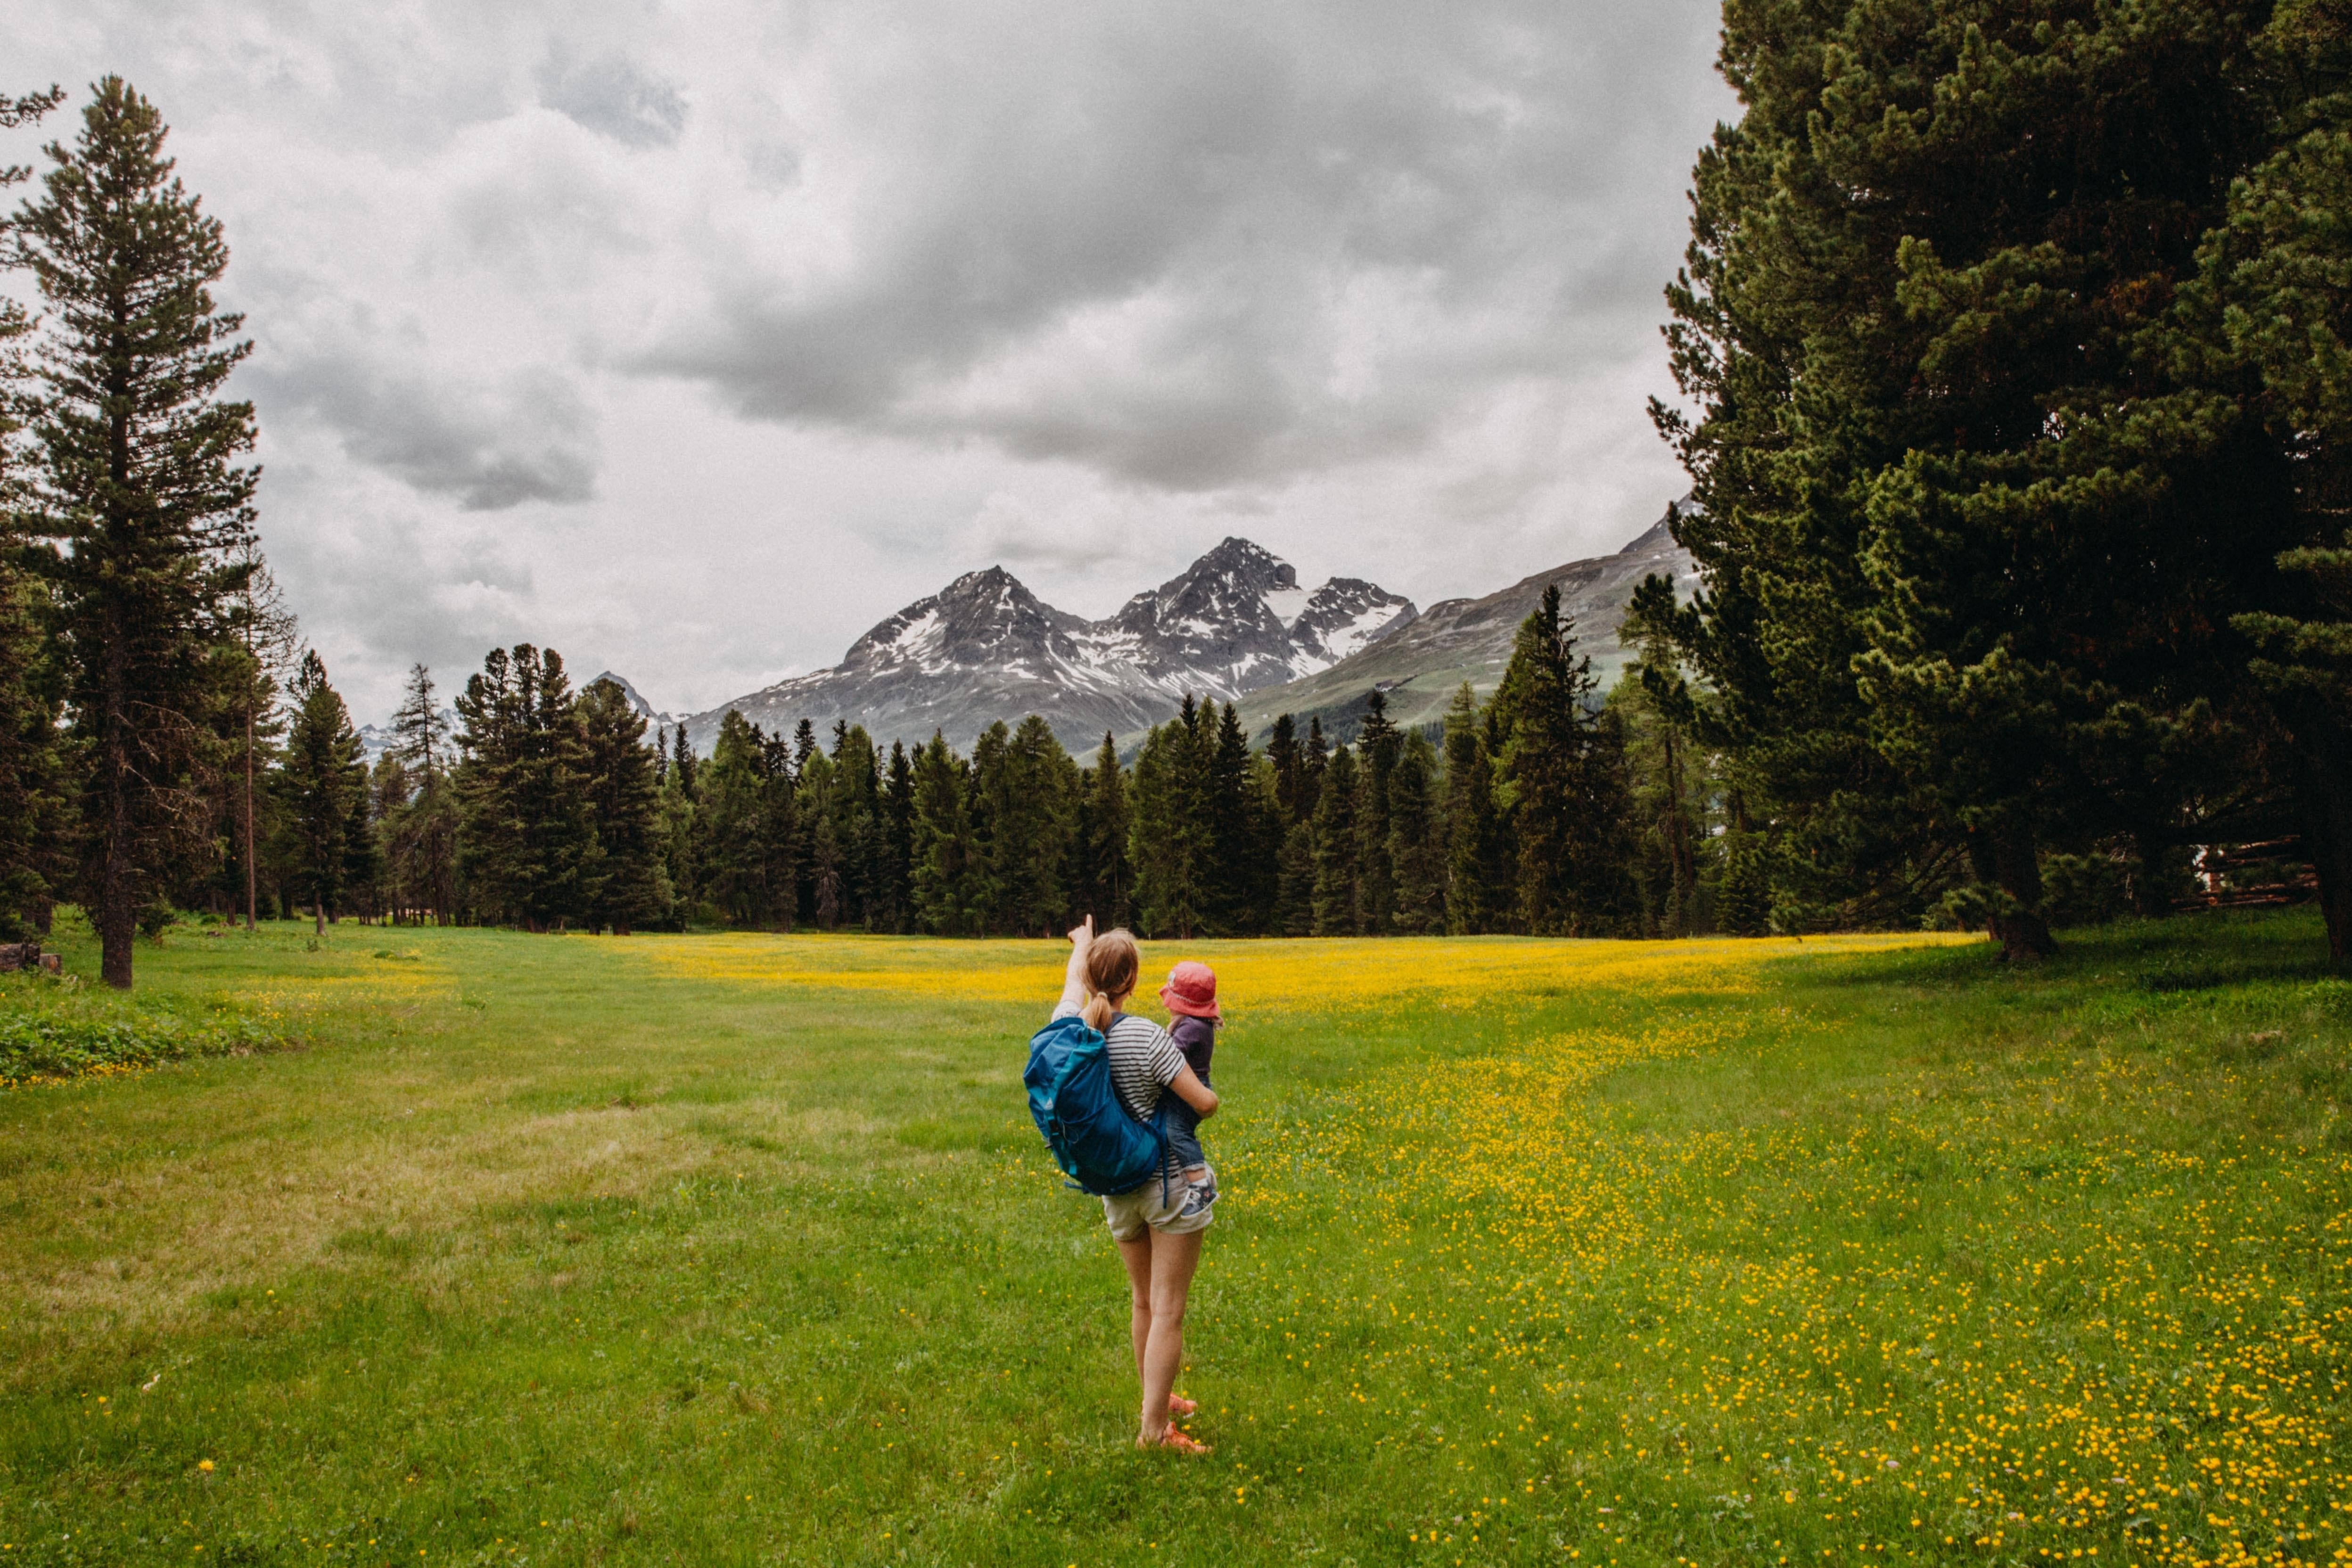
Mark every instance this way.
x=1106 y=878
x=1417 y=849
x=139 y=480
x=1337 y=905
x=526 y=844
x=945 y=858
x=1377 y=748
x=1170 y=840
x=1025 y=793
x=1478 y=860
x=1562 y=776
x=1242 y=848
x=1289 y=760
x=617 y=773
x=734 y=835
x=420 y=833
x=897 y=908
x=322 y=783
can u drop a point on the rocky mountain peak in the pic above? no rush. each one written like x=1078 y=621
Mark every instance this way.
x=981 y=619
x=984 y=648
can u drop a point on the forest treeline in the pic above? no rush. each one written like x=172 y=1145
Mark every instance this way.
x=1543 y=809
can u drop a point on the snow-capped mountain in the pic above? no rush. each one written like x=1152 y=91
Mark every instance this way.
x=985 y=648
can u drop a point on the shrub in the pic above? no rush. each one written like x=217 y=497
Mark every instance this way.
x=36 y=1047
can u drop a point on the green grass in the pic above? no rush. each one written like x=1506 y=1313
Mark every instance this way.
x=551 y=1249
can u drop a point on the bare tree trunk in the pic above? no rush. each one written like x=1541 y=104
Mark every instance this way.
x=319 y=909
x=252 y=899
x=2006 y=856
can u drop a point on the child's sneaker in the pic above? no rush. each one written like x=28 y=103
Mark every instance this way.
x=1199 y=1195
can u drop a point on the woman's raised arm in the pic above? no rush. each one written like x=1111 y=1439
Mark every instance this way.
x=1074 y=978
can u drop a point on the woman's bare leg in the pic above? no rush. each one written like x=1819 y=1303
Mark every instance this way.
x=1172 y=1259
x=1136 y=1256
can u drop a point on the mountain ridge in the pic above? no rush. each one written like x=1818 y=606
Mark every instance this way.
x=985 y=648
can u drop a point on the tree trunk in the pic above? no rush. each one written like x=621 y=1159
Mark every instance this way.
x=118 y=876
x=319 y=909
x=251 y=897
x=1678 y=843
x=2024 y=934
x=2326 y=803
x=2149 y=898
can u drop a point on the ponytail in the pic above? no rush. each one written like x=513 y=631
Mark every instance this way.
x=1112 y=964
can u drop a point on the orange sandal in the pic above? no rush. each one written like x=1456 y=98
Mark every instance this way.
x=1174 y=1439
x=1180 y=1405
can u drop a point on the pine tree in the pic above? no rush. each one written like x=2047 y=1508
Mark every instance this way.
x=1563 y=774
x=680 y=833
x=898 y=840
x=1337 y=906
x=1669 y=711
x=1289 y=760
x=617 y=774
x=139 y=480
x=321 y=782
x=1417 y=848
x=733 y=834
x=420 y=833
x=1477 y=858
x=1240 y=860
x=945 y=870
x=1294 y=907
x=1377 y=746
x=1105 y=880
x=1170 y=839
x=1025 y=818
x=527 y=843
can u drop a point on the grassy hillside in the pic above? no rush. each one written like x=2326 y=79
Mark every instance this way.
x=740 y=1248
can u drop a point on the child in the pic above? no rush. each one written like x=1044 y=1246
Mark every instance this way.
x=1190 y=995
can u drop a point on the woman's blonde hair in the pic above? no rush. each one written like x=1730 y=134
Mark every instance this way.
x=1112 y=964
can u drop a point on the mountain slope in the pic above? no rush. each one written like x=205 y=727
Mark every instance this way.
x=985 y=648
x=1458 y=640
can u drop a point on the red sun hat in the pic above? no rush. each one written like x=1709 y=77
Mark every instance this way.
x=1191 y=991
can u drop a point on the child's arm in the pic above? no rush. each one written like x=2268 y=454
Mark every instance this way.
x=1189 y=1087
x=1074 y=977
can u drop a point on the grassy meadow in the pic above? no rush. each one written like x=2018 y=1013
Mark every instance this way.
x=740 y=1249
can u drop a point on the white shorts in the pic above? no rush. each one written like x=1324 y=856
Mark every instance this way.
x=1151 y=1207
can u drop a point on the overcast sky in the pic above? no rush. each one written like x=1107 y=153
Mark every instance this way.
x=694 y=338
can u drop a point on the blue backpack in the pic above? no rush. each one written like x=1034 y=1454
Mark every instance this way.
x=1098 y=1144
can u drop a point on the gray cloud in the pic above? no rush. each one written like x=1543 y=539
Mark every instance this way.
x=610 y=96
x=1199 y=247
x=488 y=446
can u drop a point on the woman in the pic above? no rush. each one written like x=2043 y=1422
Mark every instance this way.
x=1159 y=1238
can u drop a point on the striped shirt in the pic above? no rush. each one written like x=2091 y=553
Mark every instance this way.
x=1143 y=1059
